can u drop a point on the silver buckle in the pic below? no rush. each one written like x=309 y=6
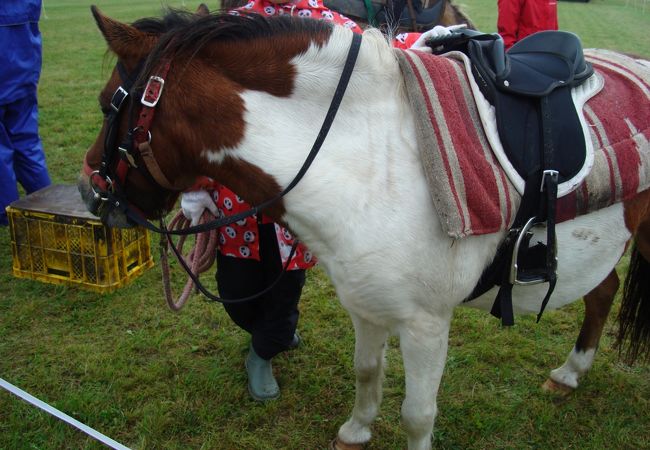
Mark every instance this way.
x=554 y=174
x=124 y=94
x=154 y=102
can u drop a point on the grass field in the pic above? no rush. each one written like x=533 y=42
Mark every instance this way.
x=152 y=379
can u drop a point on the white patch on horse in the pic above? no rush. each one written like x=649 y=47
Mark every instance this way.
x=577 y=364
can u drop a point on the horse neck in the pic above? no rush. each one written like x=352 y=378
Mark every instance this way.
x=371 y=143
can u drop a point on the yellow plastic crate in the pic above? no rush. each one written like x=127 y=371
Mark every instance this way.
x=54 y=239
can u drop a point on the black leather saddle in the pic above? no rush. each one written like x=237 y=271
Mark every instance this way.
x=539 y=127
x=544 y=65
x=390 y=12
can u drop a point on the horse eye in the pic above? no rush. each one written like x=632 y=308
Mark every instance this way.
x=106 y=110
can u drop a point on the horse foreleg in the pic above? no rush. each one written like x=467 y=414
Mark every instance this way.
x=424 y=350
x=369 y=350
x=598 y=303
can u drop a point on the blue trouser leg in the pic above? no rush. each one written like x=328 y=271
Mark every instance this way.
x=8 y=187
x=29 y=158
x=21 y=151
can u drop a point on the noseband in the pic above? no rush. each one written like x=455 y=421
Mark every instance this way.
x=137 y=146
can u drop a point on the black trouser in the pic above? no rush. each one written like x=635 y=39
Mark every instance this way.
x=271 y=319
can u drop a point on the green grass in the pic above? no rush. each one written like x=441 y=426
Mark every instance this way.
x=152 y=379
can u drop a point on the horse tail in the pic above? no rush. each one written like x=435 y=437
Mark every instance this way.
x=633 y=340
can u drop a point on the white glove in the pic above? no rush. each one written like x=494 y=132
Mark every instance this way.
x=193 y=203
x=433 y=33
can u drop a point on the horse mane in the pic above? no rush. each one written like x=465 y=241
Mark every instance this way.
x=184 y=34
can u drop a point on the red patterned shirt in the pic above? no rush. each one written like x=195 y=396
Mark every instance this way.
x=241 y=239
x=315 y=9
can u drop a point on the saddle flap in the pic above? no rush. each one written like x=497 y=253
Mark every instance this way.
x=519 y=124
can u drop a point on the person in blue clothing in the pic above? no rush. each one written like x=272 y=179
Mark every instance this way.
x=22 y=159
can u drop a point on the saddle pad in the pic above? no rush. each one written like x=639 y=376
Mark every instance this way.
x=472 y=192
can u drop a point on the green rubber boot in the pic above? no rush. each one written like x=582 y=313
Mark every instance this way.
x=261 y=382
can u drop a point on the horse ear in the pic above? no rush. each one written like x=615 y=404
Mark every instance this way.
x=124 y=40
x=202 y=10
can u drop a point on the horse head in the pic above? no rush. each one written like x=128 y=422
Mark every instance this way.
x=174 y=110
x=112 y=164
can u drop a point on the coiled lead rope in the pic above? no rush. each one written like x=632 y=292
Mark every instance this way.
x=200 y=258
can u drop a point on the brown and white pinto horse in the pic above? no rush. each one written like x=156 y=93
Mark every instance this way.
x=244 y=99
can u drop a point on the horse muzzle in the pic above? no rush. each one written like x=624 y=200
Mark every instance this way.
x=98 y=206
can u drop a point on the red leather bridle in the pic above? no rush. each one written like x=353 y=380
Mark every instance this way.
x=134 y=152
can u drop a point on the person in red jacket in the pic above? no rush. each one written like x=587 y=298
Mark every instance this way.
x=520 y=18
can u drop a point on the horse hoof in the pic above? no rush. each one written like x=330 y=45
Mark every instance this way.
x=554 y=387
x=337 y=444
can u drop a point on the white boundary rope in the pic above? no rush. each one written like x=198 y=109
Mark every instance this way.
x=62 y=416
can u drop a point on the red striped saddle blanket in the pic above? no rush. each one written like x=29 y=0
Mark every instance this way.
x=475 y=190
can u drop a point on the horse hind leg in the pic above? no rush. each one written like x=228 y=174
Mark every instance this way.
x=598 y=303
x=369 y=349
x=633 y=340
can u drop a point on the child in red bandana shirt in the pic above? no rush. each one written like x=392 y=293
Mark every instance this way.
x=252 y=253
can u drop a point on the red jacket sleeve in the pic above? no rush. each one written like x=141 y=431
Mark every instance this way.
x=508 y=20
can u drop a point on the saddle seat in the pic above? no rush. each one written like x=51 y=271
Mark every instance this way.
x=533 y=66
